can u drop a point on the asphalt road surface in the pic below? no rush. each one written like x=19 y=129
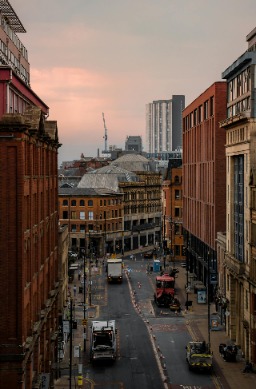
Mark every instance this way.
x=151 y=340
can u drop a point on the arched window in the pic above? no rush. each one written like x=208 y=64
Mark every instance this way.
x=81 y=203
x=73 y=203
x=65 y=203
x=90 y=203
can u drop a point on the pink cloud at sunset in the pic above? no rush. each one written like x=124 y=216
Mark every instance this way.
x=115 y=56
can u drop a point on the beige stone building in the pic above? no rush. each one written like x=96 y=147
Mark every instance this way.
x=240 y=259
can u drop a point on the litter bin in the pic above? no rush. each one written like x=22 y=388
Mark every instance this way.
x=74 y=326
x=80 y=289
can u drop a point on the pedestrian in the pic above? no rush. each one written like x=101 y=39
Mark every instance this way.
x=74 y=289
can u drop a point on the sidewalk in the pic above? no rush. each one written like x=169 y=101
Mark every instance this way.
x=63 y=368
x=197 y=320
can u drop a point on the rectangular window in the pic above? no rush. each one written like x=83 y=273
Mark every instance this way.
x=82 y=215
x=73 y=215
x=82 y=227
x=206 y=113
x=73 y=227
x=177 y=250
x=177 y=194
x=200 y=111
x=211 y=106
x=65 y=215
x=176 y=211
x=176 y=229
x=90 y=215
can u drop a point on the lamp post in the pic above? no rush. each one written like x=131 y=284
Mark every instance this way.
x=90 y=260
x=208 y=300
x=71 y=345
x=84 y=297
x=187 y=267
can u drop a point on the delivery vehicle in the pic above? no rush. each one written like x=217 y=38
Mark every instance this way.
x=115 y=270
x=103 y=340
x=199 y=357
x=164 y=292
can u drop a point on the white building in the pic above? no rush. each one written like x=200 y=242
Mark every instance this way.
x=164 y=124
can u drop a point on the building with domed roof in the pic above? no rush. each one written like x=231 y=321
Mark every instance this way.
x=124 y=210
x=135 y=163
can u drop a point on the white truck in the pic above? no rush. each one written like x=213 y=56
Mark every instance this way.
x=103 y=340
x=115 y=269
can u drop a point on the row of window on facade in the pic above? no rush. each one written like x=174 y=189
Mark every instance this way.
x=141 y=195
x=16 y=103
x=39 y=161
x=106 y=227
x=90 y=203
x=147 y=208
x=90 y=215
x=14 y=38
x=240 y=85
x=240 y=106
x=8 y=58
x=237 y=135
x=203 y=112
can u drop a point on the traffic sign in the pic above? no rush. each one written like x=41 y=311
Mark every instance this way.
x=84 y=322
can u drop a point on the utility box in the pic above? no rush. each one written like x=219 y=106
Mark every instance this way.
x=156 y=265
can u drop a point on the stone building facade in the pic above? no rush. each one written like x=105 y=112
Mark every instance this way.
x=240 y=259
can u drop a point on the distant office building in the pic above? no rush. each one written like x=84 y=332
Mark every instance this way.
x=164 y=124
x=133 y=143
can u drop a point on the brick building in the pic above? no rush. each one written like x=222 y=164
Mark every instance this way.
x=94 y=217
x=204 y=183
x=173 y=211
x=29 y=241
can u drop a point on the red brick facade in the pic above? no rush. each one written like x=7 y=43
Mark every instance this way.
x=204 y=173
x=29 y=247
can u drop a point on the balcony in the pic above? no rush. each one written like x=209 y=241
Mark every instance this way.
x=143 y=227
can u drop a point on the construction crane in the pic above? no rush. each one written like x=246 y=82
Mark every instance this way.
x=106 y=133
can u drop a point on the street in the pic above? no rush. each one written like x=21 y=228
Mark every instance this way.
x=151 y=340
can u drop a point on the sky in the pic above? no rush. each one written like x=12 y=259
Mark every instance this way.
x=89 y=57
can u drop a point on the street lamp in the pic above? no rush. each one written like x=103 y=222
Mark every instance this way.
x=208 y=300
x=187 y=267
x=84 y=297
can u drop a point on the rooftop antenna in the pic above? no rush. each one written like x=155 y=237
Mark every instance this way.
x=106 y=133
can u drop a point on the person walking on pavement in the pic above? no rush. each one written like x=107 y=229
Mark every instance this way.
x=74 y=289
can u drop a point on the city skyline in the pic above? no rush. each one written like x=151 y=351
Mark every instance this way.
x=88 y=57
